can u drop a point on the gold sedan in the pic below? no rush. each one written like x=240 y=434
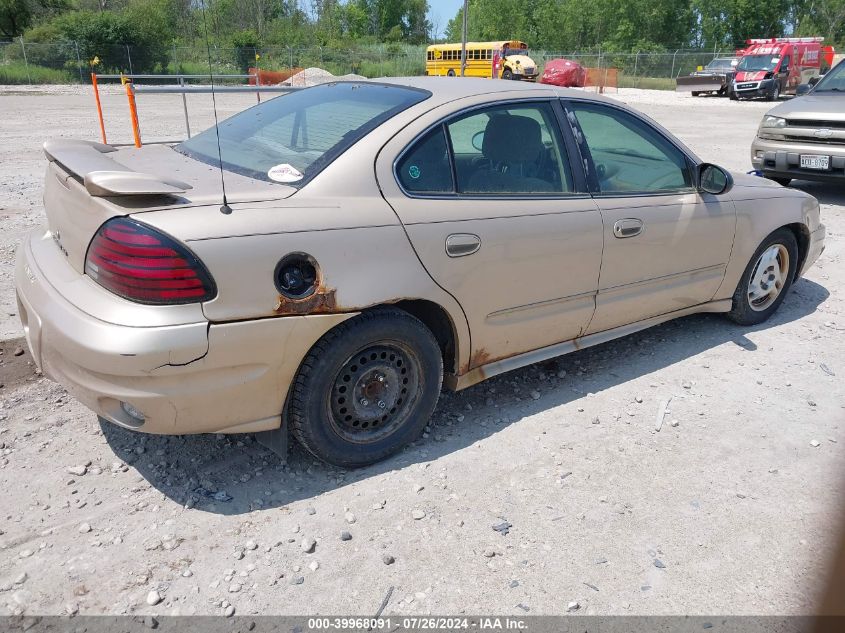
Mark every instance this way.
x=377 y=241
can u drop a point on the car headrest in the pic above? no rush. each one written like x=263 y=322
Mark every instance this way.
x=512 y=138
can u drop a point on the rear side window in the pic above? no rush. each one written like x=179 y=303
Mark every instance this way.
x=510 y=149
x=425 y=168
x=291 y=138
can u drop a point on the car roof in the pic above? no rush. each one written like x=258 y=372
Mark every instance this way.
x=445 y=89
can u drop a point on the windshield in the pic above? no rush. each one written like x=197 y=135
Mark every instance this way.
x=833 y=81
x=758 y=62
x=720 y=64
x=519 y=51
x=291 y=138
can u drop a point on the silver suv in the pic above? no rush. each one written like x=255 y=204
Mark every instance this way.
x=804 y=138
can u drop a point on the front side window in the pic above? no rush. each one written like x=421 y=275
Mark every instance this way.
x=630 y=156
x=291 y=138
x=509 y=149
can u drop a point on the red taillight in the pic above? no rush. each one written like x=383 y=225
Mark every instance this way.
x=140 y=264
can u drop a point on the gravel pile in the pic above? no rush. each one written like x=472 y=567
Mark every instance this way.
x=317 y=76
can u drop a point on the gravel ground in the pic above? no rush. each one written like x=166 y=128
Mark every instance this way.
x=730 y=507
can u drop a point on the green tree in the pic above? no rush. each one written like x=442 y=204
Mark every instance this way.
x=822 y=17
x=16 y=16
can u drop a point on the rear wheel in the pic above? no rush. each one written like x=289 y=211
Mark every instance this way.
x=695 y=93
x=367 y=388
x=766 y=279
x=450 y=73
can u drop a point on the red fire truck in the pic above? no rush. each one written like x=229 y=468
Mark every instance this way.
x=771 y=67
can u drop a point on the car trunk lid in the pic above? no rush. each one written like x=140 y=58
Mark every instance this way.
x=89 y=183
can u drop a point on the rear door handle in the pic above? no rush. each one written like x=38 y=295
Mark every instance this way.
x=629 y=227
x=461 y=244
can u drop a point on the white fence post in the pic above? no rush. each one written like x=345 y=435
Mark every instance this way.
x=636 y=62
x=78 y=61
x=25 y=62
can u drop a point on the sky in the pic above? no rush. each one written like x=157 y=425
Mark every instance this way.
x=441 y=11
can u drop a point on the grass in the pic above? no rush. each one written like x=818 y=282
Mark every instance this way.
x=19 y=73
x=648 y=83
x=397 y=67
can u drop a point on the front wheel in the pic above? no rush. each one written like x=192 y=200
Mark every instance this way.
x=766 y=279
x=450 y=73
x=367 y=388
x=507 y=73
x=695 y=93
x=774 y=95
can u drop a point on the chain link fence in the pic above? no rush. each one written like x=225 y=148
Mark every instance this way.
x=67 y=62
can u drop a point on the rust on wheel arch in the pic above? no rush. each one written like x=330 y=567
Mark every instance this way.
x=322 y=301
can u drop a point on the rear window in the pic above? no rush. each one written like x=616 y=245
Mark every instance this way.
x=291 y=138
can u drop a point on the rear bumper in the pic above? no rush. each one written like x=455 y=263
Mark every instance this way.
x=782 y=159
x=189 y=378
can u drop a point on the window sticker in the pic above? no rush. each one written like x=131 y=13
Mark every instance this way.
x=284 y=173
x=414 y=172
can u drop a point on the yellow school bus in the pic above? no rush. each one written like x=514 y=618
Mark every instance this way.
x=509 y=56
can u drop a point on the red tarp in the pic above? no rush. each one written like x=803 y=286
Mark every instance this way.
x=563 y=72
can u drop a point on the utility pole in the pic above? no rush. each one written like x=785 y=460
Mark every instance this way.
x=464 y=40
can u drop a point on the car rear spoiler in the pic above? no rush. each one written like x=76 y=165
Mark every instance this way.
x=102 y=175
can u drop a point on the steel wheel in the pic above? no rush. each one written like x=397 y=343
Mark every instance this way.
x=374 y=392
x=367 y=388
x=768 y=277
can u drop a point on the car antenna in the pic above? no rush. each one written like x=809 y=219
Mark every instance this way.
x=225 y=209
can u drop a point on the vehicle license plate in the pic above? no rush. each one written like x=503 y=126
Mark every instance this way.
x=815 y=162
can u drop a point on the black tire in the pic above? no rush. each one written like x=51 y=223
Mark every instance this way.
x=783 y=182
x=450 y=73
x=695 y=93
x=774 y=95
x=732 y=95
x=744 y=310
x=507 y=73
x=352 y=413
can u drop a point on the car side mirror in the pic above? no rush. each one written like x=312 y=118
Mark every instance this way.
x=814 y=80
x=803 y=89
x=713 y=179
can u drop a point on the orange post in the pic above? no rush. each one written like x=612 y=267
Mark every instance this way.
x=133 y=111
x=99 y=107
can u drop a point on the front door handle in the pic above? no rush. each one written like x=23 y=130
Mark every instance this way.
x=629 y=227
x=461 y=244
